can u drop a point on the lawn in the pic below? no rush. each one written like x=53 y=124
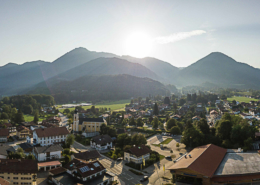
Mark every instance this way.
x=113 y=105
x=241 y=99
x=166 y=141
x=29 y=118
x=162 y=157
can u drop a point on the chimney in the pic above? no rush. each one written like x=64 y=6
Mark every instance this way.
x=190 y=156
x=185 y=157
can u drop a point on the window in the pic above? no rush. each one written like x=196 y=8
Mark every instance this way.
x=15 y=183
x=15 y=177
x=8 y=177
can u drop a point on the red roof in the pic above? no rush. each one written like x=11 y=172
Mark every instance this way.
x=20 y=128
x=4 y=182
x=53 y=131
x=51 y=163
x=204 y=160
x=4 y=132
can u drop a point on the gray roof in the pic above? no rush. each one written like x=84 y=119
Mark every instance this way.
x=102 y=139
x=98 y=120
x=4 y=149
x=239 y=163
x=51 y=148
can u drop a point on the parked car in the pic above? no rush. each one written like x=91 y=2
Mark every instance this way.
x=145 y=178
x=120 y=159
x=168 y=157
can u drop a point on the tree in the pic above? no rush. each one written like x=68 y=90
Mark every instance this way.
x=175 y=130
x=194 y=97
x=203 y=126
x=161 y=126
x=4 y=116
x=111 y=131
x=224 y=129
x=19 y=116
x=30 y=156
x=182 y=101
x=138 y=139
x=155 y=109
x=27 y=109
x=192 y=137
x=103 y=129
x=36 y=117
x=188 y=97
x=122 y=140
x=70 y=140
x=132 y=122
x=139 y=122
x=66 y=111
x=171 y=123
x=93 y=110
x=167 y=100
x=155 y=122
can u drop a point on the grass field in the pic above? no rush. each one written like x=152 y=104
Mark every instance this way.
x=29 y=118
x=166 y=141
x=113 y=105
x=242 y=99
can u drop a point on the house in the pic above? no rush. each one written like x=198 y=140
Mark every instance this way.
x=27 y=148
x=236 y=111
x=4 y=182
x=213 y=112
x=142 y=112
x=87 y=155
x=196 y=118
x=46 y=124
x=137 y=154
x=88 y=126
x=49 y=136
x=254 y=112
x=176 y=116
x=210 y=164
x=22 y=132
x=19 y=171
x=5 y=150
x=101 y=142
x=55 y=120
x=9 y=126
x=127 y=116
x=81 y=172
x=105 y=116
x=199 y=104
x=246 y=116
x=4 y=135
x=44 y=153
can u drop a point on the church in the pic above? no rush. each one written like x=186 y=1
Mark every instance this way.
x=88 y=126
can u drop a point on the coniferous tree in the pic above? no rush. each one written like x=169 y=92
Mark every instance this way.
x=155 y=109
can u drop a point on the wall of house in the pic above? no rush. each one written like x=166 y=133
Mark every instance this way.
x=3 y=157
x=3 y=139
x=99 y=147
x=46 y=141
x=43 y=156
x=131 y=158
x=18 y=178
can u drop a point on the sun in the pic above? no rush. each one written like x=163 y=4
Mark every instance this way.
x=138 y=45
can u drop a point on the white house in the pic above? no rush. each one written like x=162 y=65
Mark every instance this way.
x=44 y=153
x=101 y=142
x=246 y=116
x=137 y=154
x=50 y=136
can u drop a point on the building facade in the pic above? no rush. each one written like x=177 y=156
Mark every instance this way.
x=4 y=134
x=22 y=132
x=88 y=126
x=137 y=154
x=50 y=136
x=45 y=153
x=19 y=171
x=101 y=142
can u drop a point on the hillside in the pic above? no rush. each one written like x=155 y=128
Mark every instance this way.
x=106 y=87
x=220 y=69
x=161 y=68
x=108 y=66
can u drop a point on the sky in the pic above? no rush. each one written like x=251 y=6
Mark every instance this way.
x=179 y=32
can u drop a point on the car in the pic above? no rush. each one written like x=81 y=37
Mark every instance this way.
x=168 y=157
x=145 y=178
x=120 y=159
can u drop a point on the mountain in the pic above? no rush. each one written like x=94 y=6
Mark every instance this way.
x=77 y=57
x=105 y=87
x=108 y=66
x=159 y=67
x=219 y=69
x=15 y=78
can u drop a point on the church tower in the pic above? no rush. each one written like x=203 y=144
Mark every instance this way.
x=76 y=121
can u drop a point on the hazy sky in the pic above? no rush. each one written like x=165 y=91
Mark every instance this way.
x=179 y=32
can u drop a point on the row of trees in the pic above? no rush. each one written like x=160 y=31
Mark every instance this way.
x=230 y=132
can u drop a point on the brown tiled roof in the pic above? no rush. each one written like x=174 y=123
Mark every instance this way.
x=8 y=124
x=18 y=166
x=139 y=150
x=204 y=160
x=4 y=182
x=47 y=132
x=78 y=164
x=48 y=125
x=50 y=163
x=102 y=139
x=20 y=128
x=94 y=154
x=4 y=132
x=57 y=170
x=236 y=178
